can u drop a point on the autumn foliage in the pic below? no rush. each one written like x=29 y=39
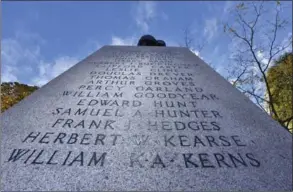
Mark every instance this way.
x=13 y=92
x=280 y=78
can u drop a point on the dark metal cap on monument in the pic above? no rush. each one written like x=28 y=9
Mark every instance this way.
x=142 y=118
x=149 y=40
x=161 y=43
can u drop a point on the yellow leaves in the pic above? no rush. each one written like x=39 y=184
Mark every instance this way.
x=280 y=85
x=6 y=103
x=12 y=93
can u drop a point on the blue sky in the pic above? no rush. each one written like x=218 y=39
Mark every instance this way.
x=40 y=40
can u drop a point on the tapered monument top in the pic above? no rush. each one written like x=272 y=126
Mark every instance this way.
x=145 y=118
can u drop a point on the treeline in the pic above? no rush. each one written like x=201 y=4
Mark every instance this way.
x=13 y=92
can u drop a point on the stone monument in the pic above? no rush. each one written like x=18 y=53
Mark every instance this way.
x=142 y=118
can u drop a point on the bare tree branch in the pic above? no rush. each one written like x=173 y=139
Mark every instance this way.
x=246 y=29
x=253 y=94
x=287 y=120
x=187 y=38
x=239 y=76
x=189 y=42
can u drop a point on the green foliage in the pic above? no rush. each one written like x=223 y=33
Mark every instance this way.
x=280 y=79
x=13 y=92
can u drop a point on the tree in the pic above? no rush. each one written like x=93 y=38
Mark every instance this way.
x=13 y=92
x=189 y=42
x=280 y=78
x=256 y=36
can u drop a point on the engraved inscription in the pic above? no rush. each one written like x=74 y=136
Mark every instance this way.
x=148 y=106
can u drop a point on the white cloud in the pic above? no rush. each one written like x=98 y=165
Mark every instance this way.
x=48 y=71
x=232 y=80
x=196 y=52
x=145 y=13
x=124 y=41
x=210 y=29
x=261 y=57
x=8 y=75
x=61 y=64
x=16 y=58
x=22 y=60
x=10 y=51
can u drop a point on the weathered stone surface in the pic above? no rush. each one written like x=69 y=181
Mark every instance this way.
x=142 y=118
